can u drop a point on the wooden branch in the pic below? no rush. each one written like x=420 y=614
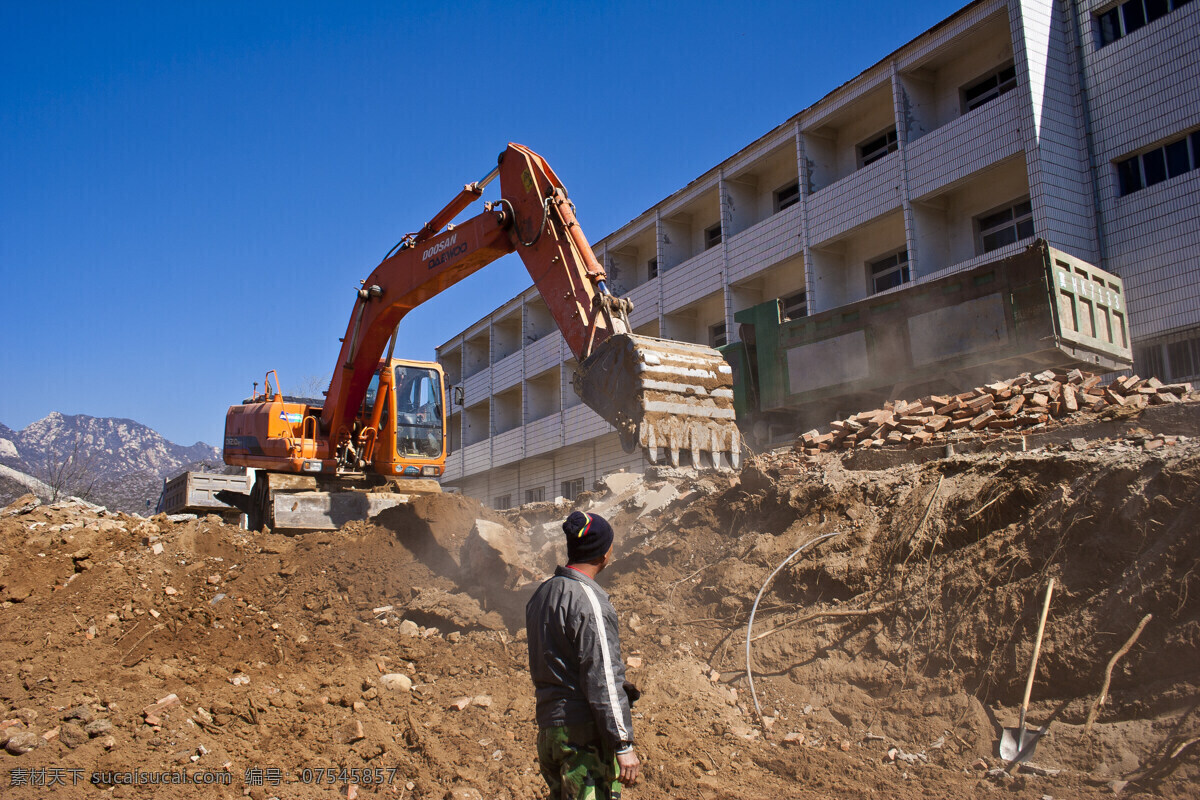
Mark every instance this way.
x=1112 y=662
x=858 y=612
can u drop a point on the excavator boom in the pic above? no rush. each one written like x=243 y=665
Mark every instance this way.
x=670 y=398
x=665 y=396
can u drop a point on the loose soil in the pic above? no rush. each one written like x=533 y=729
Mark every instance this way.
x=885 y=659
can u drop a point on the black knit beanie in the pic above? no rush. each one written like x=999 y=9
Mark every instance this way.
x=588 y=537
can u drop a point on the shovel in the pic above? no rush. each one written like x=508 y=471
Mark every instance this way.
x=1017 y=744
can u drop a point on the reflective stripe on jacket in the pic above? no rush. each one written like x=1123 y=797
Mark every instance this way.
x=575 y=657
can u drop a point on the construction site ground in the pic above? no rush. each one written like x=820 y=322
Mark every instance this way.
x=886 y=659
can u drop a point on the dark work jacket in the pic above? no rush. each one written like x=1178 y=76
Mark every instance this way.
x=575 y=657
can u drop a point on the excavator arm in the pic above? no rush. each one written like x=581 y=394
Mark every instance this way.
x=668 y=397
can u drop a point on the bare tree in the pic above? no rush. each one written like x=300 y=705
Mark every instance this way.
x=74 y=473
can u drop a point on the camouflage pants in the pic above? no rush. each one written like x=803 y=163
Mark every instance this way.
x=574 y=765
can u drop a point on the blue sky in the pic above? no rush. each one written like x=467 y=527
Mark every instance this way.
x=190 y=192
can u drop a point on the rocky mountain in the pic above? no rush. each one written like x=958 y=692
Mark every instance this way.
x=115 y=462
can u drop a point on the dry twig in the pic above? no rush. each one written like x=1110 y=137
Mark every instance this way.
x=1112 y=662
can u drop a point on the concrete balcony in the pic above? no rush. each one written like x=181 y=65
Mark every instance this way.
x=580 y=423
x=454 y=466
x=645 y=303
x=543 y=435
x=857 y=198
x=767 y=242
x=697 y=277
x=477 y=387
x=989 y=135
x=507 y=372
x=543 y=354
x=477 y=457
x=508 y=447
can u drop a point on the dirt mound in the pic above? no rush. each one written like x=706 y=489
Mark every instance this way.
x=885 y=659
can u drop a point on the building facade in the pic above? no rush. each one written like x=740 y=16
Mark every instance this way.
x=1077 y=121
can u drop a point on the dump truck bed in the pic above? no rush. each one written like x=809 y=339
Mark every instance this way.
x=1039 y=309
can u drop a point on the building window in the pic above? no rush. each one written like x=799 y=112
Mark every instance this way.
x=1126 y=18
x=876 y=148
x=537 y=495
x=572 y=489
x=652 y=269
x=989 y=87
x=502 y=502
x=795 y=305
x=787 y=196
x=1183 y=359
x=1005 y=226
x=890 y=271
x=1171 y=159
x=1148 y=361
x=712 y=236
x=716 y=335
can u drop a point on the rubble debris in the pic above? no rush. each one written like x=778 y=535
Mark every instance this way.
x=1025 y=403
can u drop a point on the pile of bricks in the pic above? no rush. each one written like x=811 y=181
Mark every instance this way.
x=1025 y=402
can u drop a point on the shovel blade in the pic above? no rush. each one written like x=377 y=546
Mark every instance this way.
x=1015 y=746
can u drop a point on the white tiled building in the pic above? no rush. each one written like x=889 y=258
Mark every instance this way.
x=1077 y=121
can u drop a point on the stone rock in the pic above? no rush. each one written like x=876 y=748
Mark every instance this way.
x=72 y=735
x=396 y=682
x=463 y=793
x=82 y=713
x=353 y=732
x=9 y=729
x=109 y=742
x=409 y=628
x=793 y=738
x=618 y=482
x=98 y=727
x=26 y=715
x=23 y=742
x=482 y=700
x=461 y=703
x=493 y=553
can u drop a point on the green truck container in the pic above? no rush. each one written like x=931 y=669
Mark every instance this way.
x=1039 y=309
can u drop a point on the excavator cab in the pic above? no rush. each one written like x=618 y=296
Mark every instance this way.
x=420 y=426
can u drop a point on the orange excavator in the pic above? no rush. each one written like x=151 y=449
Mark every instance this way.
x=378 y=437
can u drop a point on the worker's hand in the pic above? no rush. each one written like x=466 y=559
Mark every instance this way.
x=629 y=764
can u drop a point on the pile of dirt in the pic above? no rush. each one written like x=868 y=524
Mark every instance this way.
x=885 y=658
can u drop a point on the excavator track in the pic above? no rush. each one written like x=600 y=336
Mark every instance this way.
x=669 y=397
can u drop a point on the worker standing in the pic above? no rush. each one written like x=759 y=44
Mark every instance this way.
x=585 y=728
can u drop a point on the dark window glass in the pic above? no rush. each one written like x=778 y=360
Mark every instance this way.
x=1179 y=3
x=978 y=90
x=652 y=269
x=1181 y=357
x=1154 y=167
x=1156 y=9
x=1129 y=175
x=890 y=272
x=993 y=220
x=795 y=306
x=712 y=236
x=1025 y=229
x=1177 y=158
x=1110 y=26
x=1135 y=15
x=1196 y=150
x=877 y=148
x=787 y=196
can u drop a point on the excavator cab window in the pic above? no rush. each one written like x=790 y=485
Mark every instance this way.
x=368 y=403
x=418 y=412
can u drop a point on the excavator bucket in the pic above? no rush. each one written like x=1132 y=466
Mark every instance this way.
x=666 y=396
